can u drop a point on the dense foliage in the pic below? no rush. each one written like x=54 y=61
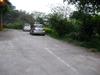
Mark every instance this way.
x=61 y=25
x=16 y=19
x=5 y=6
x=82 y=26
x=87 y=6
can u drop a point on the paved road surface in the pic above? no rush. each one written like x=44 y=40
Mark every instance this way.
x=23 y=54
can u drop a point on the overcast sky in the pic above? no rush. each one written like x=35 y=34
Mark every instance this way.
x=36 y=5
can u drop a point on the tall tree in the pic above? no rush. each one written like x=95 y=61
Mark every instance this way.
x=87 y=6
x=87 y=14
x=63 y=10
x=5 y=6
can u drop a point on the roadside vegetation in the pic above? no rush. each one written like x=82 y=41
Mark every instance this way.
x=16 y=19
x=81 y=27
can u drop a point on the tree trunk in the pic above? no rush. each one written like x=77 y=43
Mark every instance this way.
x=1 y=21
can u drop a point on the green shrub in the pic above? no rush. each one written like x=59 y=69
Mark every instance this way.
x=73 y=35
x=51 y=32
x=61 y=25
x=96 y=22
x=16 y=25
x=94 y=43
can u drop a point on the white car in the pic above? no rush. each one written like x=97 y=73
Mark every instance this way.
x=27 y=27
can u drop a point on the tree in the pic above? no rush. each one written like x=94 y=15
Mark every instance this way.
x=17 y=18
x=87 y=9
x=87 y=6
x=40 y=20
x=61 y=25
x=11 y=16
x=26 y=17
x=37 y=15
x=62 y=10
x=5 y=6
x=16 y=15
x=87 y=26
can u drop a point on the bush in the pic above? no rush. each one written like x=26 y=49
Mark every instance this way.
x=77 y=24
x=51 y=32
x=61 y=25
x=96 y=22
x=15 y=25
x=73 y=36
x=94 y=43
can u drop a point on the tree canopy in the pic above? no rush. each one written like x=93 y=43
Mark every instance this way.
x=87 y=6
x=5 y=6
